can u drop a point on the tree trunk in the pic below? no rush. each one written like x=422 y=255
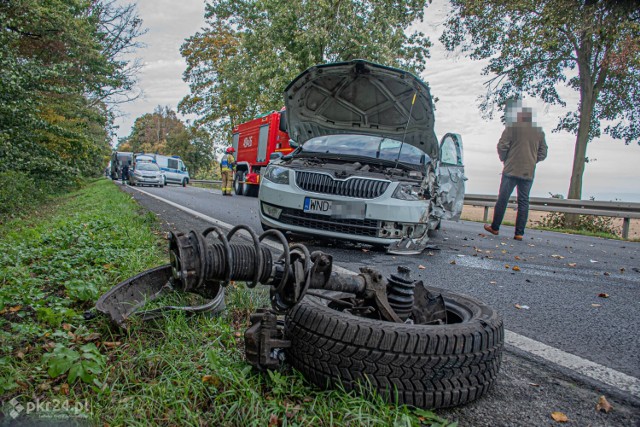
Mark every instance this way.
x=587 y=103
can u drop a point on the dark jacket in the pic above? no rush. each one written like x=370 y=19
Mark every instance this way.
x=521 y=146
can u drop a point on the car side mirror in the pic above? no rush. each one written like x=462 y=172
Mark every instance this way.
x=275 y=155
x=283 y=121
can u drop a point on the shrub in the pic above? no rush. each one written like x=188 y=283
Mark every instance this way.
x=590 y=223
x=18 y=190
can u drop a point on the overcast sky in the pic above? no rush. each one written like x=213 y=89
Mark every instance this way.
x=454 y=80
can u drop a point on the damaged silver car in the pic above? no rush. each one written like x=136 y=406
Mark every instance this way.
x=368 y=166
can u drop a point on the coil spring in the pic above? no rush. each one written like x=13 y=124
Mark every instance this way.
x=223 y=262
x=400 y=292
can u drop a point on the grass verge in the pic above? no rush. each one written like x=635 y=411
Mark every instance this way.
x=187 y=370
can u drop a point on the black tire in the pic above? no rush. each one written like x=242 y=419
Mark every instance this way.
x=184 y=182
x=237 y=183
x=164 y=180
x=252 y=190
x=427 y=366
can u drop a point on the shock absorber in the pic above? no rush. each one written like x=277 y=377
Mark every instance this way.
x=400 y=291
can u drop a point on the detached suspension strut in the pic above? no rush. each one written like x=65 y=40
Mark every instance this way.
x=201 y=266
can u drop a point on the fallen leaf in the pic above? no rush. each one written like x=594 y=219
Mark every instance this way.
x=596 y=305
x=557 y=256
x=237 y=334
x=572 y=264
x=66 y=327
x=559 y=417
x=603 y=295
x=111 y=344
x=453 y=262
x=492 y=282
x=212 y=379
x=622 y=270
x=273 y=421
x=91 y=337
x=503 y=244
x=507 y=266
x=421 y=267
x=365 y=250
x=606 y=274
x=603 y=405
x=534 y=385
x=516 y=268
x=517 y=257
x=64 y=389
x=14 y=309
x=20 y=355
x=504 y=251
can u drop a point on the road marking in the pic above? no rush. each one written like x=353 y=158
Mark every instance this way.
x=570 y=361
x=577 y=364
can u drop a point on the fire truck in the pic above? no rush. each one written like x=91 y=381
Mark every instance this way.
x=256 y=142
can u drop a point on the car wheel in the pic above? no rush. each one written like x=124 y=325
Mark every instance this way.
x=164 y=180
x=184 y=182
x=237 y=183
x=427 y=366
x=252 y=190
x=160 y=185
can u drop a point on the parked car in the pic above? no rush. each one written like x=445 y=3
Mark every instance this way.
x=146 y=173
x=368 y=166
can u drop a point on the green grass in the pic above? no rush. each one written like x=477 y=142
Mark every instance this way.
x=177 y=369
x=562 y=230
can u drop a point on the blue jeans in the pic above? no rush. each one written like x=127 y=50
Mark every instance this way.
x=507 y=184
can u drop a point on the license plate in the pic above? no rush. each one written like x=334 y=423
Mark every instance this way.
x=317 y=206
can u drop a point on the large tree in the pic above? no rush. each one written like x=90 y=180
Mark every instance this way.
x=240 y=63
x=62 y=71
x=164 y=133
x=533 y=46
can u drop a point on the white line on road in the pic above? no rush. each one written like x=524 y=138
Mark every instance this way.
x=570 y=361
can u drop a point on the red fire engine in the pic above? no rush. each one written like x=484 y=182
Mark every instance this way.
x=255 y=142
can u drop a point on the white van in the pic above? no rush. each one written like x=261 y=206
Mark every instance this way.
x=173 y=168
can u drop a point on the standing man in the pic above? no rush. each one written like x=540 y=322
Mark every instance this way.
x=227 y=166
x=521 y=146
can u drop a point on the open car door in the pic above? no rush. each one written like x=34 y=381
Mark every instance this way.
x=451 y=177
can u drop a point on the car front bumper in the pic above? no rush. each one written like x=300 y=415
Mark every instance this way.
x=381 y=221
x=146 y=180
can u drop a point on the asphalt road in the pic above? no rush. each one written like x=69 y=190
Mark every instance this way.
x=566 y=344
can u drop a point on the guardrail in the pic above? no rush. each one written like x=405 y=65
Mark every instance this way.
x=205 y=181
x=624 y=210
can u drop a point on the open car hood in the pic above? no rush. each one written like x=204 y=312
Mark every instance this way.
x=360 y=97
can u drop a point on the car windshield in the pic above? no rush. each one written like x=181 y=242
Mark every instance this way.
x=148 y=167
x=365 y=146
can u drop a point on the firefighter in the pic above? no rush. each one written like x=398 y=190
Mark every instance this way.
x=227 y=166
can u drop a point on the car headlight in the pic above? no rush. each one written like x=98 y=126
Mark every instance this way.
x=277 y=174
x=408 y=192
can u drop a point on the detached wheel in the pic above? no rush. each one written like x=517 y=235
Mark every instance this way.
x=427 y=366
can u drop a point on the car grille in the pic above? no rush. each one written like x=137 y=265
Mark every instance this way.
x=359 y=227
x=354 y=187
